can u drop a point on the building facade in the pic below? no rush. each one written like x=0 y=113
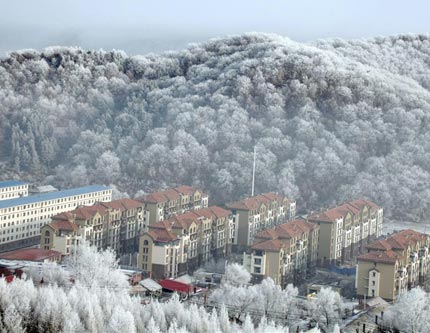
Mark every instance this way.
x=11 y=189
x=345 y=230
x=287 y=253
x=182 y=243
x=164 y=204
x=115 y=224
x=21 y=218
x=257 y=213
x=393 y=265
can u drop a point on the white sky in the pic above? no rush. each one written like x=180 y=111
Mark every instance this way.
x=144 y=26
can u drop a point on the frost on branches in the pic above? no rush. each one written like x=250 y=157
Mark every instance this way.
x=331 y=119
x=99 y=301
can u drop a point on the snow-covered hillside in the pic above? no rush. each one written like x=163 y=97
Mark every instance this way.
x=332 y=120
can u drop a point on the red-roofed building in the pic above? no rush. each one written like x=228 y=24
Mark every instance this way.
x=39 y=255
x=346 y=229
x=173 y=201
x=287 y=253
x=254 y=214
x=393 y=265
x=176 y=286
x=115 y=224
x=187 y=240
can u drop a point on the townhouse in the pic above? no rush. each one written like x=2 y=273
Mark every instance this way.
x=393 y=265
x=254 y=214
x=182 y=243
x=346 y=229
x=173 y=201
x=116 y=224
x=11 y=189
x=21 y=218
x=287 y=253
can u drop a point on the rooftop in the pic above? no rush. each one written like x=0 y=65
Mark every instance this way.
x=51 y=196
x=398 y=241
x=331 y=215
x=30 y=254
x=9 y=183
x=63 y=225
x=386 y=257
x=169 y=194
x=253 y=203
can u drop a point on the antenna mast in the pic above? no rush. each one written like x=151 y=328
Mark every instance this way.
x=253 y=171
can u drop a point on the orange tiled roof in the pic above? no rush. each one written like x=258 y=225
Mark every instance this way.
x=255 y=202
x=332 y=214
x=271 y=245
x=265 y=239
x=213 y=211
x=169 y=194
x=63 y=225
x=387 y=257
x=162 y=235
x=398 y=241
x=122 y=204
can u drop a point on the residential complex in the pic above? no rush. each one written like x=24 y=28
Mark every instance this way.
x=393 y=265
x=287 y=253
x=173 y=201
x=346 y=229
x=21 y=218
x=182 y=243
x=11 y=189
x=257 y=213
x=115 y=224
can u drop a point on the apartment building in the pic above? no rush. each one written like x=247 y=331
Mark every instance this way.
x=173 y=201
x=287 y=253
x=116 y=224
x=182 y=243
x=11 y=189
x=21 y=218
x=257 y=213
x=393 y=265
x=346 y=229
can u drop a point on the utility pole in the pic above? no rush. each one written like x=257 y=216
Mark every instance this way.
x=253 y=171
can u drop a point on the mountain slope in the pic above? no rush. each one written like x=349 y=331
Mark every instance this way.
x=331 y=120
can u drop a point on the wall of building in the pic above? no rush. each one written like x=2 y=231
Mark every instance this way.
x=20 y=223
x=387 y=280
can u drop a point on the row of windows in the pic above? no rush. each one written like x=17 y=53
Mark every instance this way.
x=52 y=202
x=13 y=188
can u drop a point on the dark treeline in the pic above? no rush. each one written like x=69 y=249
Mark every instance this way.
x=332 y=120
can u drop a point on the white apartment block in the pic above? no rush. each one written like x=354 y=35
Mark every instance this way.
x=11 y=189
x=21 y=218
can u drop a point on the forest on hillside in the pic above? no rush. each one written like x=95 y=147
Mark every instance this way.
x=331 y=120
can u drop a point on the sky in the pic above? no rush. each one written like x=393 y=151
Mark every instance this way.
x=139 y=27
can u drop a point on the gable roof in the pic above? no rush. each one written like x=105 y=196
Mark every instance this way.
x=162 y=235
x=387 y=257
x=255 y=202
x=169 y=194
x=213 y=211
x=63 y=225
x=331 y=215
x=270 y=245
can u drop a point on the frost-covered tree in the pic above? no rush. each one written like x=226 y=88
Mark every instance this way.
x=326 y=308
x=236 y=275
x=410 y=312
x=331 y=120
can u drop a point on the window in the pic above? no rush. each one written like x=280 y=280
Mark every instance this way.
x=373 y=274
